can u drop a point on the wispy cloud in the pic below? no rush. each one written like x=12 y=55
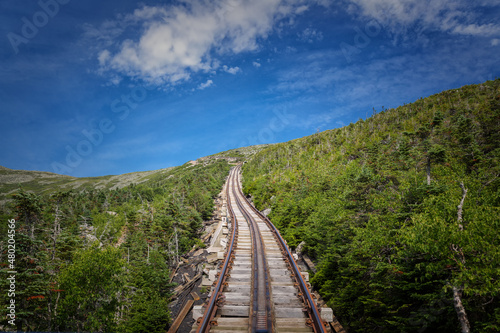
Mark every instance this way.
x=187 y=37
x=485 y=30
x=310 y=35
x=456 y=17
x=316 y=121
x=231 y=70
x=314 y=78
x=205 y=85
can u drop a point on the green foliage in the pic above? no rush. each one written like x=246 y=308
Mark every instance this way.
x=388 y=244
x=89 y=288
x=97 y=259
x=147 y=314
x=149 y=280
x=107 y=226
x=31 y=282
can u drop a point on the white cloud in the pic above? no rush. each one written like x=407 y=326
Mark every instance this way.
x=456 y=17
x=187 y=37
x=256 y=64
x=205 y=85
x=116 y=80
x=231 y=70
x=406 y=76
x=478 y=30
x=106 y=33
x=495 y=42
x=302 y=9
x=104 y=57
x=310 y=35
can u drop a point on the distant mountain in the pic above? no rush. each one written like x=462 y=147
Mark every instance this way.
x=41 y=182
x=45 y=182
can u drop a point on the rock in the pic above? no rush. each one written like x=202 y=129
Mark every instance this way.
x=91 y=239
x=266 y=212
x=212 y=275
x=300 y=248
x=198 y=253
x=223 y=243
x=197 y=311
x=327 y=314
x=205 y=281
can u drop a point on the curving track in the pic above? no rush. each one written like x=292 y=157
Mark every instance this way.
x=260 y=288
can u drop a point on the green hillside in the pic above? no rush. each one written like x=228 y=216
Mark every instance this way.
x=46 y=183
x=92 y=258
x=401 y=211
x=94 y=254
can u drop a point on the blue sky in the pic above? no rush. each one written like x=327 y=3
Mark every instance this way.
x=90 y=88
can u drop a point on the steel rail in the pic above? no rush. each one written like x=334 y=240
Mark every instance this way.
x=308 y=300
x=211 y=309
x=311 y=307
x=261 y=307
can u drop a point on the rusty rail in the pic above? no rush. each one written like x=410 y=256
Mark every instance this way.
x=211 y=309
x=261 y=307
x=261 y=322
x=312 y=309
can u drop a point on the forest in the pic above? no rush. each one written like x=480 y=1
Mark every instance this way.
x=97 y=260
x=400 y=211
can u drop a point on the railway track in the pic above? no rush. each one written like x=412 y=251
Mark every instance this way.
x=260 y=287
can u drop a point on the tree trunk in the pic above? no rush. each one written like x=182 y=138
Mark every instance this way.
x=176 y=246
x=428 y=171
x=56 y=232
x=461 y=206
x=457 y=292
x=462 y=315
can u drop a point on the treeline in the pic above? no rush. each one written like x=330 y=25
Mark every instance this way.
x=401 y=211
x=98 y=260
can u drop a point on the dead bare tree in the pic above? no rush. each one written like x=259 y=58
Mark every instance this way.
x=56 y=231
x=457 y=291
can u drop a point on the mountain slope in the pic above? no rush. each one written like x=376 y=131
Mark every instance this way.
x=100 y=249
x=46 y=183
x=400 y=210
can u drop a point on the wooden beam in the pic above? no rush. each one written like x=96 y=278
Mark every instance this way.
x=180 y=318
x=336 y=326
x=196 y=297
